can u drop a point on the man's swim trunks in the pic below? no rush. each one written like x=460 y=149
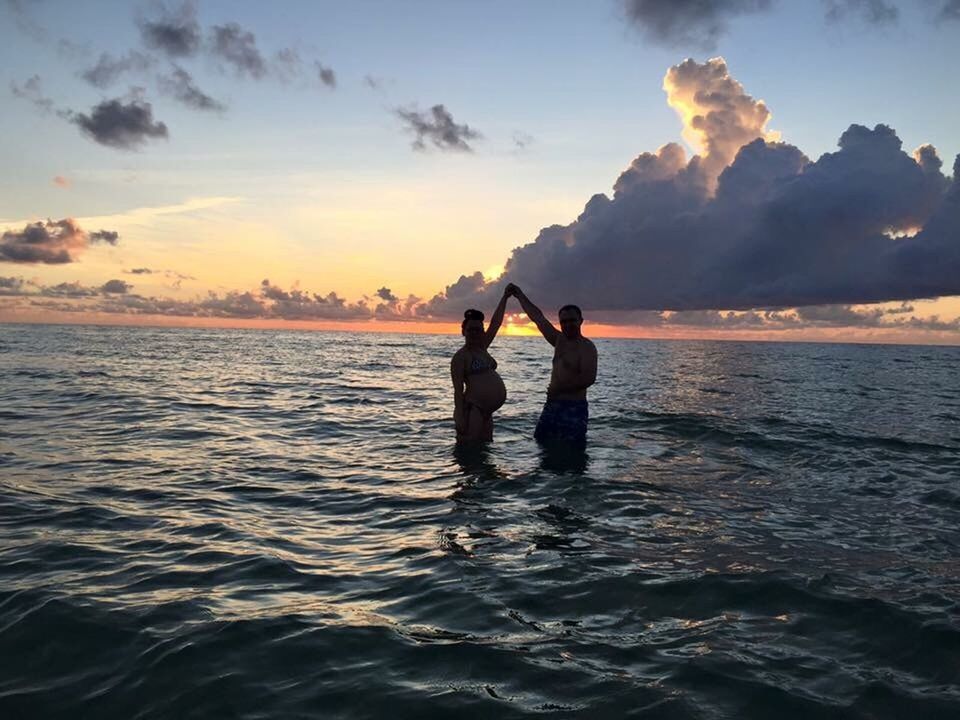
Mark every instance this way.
x=564 y=420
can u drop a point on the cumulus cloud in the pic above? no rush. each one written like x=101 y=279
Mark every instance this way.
x=179 y=84
x=109 y=69
x=719 y=117
x=32 y=92
x=437 y=127
x=772 y=229
x=327 y=76
x=50 y=243
x=878 y=12
x=175 y=33
x=122 y=125
x=688 y=22
x=238 y=48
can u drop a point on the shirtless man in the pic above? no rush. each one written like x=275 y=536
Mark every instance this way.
x=564 y=415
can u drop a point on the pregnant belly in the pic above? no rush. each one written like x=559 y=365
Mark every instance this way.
x=486 y=391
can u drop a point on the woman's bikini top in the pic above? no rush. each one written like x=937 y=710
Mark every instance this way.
x=480 y=364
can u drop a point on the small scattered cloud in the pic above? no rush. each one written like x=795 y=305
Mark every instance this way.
x=62 y=181
x=949 y=10
x=327 y=76
x=386 y=295
x=237 y=47
x=50 y=243
x=876 y=12
x=109 y=69
x=698 y=23
x=522 y=141
x=14 y=286
x=179 y=85
x=122 y=125
x=437 y=127
x=140 y=271
x=23 y=19
x=176 y=33
x=69 y=290
x=287 y=64
x=116 y=287
x=32 y=92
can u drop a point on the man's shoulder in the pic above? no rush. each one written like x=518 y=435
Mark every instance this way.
x=587 y=343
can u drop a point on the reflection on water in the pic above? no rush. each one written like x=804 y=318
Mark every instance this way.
x=200 y=523
x=564 y=458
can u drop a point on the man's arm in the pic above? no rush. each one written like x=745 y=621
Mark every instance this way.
x=546 y=329
x=496 y=320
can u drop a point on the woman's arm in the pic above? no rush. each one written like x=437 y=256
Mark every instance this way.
x=458 y=376
x=496 y=320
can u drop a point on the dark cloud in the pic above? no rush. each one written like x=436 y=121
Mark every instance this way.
x=109 y=69
x=116 y=287
x=950 y=10
x=878 y=12
x=238 y=48
x=179 y=84
x=437 y=127
x=50 y=242
x=866 y=224
x=175 y=33
x=386 y=295
x=108 y=236
x=140 y=271
x=699 y=23
x=119 y=124
x=326 y=74
x=32 y=92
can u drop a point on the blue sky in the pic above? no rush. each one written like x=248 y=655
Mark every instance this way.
x=297 y=163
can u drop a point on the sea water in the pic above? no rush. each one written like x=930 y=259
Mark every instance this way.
x=258 y=524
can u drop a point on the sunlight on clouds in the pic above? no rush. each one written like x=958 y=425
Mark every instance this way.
x=492 y=273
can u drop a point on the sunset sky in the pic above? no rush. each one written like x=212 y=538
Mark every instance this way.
x=297 y=164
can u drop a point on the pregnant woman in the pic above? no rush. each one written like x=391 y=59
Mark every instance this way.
x=478 y=391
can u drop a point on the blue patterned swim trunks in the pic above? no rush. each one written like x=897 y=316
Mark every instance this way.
x=564 y=420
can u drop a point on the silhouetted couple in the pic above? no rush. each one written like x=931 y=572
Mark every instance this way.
x=478 y=390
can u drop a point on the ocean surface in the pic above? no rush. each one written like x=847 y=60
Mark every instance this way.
x=253 y=524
